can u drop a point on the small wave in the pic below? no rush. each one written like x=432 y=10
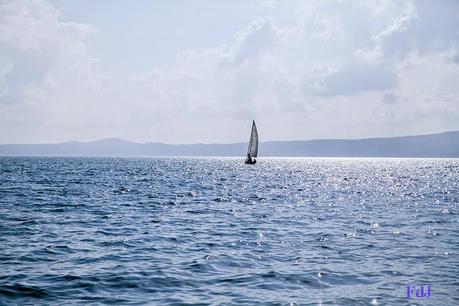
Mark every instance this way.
x=19 y=290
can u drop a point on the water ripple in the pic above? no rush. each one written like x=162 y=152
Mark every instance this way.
x=215 y=231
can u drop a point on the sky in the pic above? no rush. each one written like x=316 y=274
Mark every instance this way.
x=200 y=71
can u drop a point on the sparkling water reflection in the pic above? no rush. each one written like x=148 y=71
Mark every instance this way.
x=208 y=230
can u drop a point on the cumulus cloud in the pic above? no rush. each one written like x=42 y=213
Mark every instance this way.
x=352 y=79
x=421 y=27
x=52 y=80
x=215 y=82
x=301 y=68
x=262 y=35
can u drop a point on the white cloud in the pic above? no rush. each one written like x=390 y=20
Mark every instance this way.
x=262 y=35
x=354 y=78
x=54 y=79
x=303 y=69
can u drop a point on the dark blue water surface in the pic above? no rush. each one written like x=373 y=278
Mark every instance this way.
x=216 y=231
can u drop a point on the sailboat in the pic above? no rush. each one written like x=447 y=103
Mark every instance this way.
x=252 y=150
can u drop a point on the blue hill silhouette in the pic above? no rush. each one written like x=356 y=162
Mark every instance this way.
x=435 y=145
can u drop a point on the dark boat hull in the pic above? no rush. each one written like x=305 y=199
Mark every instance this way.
x=251 y=161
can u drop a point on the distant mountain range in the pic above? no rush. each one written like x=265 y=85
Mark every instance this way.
x=435 y=145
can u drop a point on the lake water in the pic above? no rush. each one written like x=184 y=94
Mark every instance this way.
x=215 y=231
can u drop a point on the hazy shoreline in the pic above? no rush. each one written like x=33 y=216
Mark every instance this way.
x=442 y=145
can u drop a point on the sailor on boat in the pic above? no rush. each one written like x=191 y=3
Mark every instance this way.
x=249 y=160
x=252 y=150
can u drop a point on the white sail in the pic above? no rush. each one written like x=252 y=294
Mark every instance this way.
x=253 y=142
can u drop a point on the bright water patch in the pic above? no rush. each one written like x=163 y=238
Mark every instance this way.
x=177 y=231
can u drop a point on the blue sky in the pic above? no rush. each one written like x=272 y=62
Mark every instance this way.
x=199 y=71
